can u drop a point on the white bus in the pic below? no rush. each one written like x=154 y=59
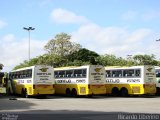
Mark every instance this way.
x=83 y=80
x=32 y=81
x=134 y=80
x=158 y=79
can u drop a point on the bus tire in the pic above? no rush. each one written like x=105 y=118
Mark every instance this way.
x=26 y=94
x=157 y=91
x=115 y=91
x=9 y=91
x=124 y=92
x=22 y=92
x=90 y=95
x=74 y=92
x=68 y=92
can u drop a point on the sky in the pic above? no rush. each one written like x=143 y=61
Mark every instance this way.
x=119 y=27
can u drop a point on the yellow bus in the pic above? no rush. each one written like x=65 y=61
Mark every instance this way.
x=157 y=79
x=32 y=81
x=2 y=83
x=83 y=80
x=134 y=80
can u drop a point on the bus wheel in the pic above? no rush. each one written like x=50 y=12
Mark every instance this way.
x=124 y=92
x=74 y=92
x=115 y=92
x=9 y=92
x=157 y=91
x=22 y=92
x=68 y=92
x=90 y=95
x=26 y=94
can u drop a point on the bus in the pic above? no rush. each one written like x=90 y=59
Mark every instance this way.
x=2 y=83
x=80 y=80
x=157 y=79
x=32 y=81
x=133 y=80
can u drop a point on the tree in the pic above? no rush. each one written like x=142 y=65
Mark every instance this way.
x=83 y=56
x=61 y=45
x=59 y=48
x=145 y=59
x=1 y=66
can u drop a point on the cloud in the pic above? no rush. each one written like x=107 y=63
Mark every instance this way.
x=129 y=15
x=151 y=15
x=64 y=16
x=14 y=52
x=141 y=16
x=138 y=35
x=2 y=24
x=112 y=40
x=44 y=2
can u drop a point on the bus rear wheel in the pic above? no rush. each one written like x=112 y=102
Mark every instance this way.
x=124 y=92
x=9 y=92
x=115 y=92
x=157 y=91
x=24 y=93
x=68 y=92
x=74 y=92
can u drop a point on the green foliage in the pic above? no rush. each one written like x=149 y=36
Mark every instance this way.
x=145 y=60
x=1 y=66
x=111 y=60
x=83 y=56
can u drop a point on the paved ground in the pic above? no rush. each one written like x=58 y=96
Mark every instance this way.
x=96 y=108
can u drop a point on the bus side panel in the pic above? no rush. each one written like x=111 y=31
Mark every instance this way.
x=2 y=90
x=60 y=88
x=82 y=89
x=133 y=89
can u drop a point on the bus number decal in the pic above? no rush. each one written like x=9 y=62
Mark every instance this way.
x=133 y=80
x=29 y=81
x=112 y=81
x=63 y=81
x=80 y=81
x=20 y=81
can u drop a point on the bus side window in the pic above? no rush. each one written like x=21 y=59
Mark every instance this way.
x=30 y=73
x=113 y=75
x=84 y=71
x=84 y=75
x=56 y=74
x=69 y=73
x=137 y=73
x=117 y=73
x=108 y=73
x=62 y=74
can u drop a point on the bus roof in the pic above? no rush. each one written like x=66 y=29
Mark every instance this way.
x=125 y=67
x=74 y=67
x=30 y=67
